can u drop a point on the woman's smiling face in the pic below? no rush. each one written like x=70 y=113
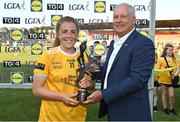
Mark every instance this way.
x=67 y=35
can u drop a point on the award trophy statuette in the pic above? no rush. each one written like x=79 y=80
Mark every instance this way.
x=82 y=93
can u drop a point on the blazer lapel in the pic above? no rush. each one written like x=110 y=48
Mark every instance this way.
x=106 y=62
x=124 y=46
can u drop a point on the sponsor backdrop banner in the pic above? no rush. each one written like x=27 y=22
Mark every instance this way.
x=27 y=30
x=37 y=13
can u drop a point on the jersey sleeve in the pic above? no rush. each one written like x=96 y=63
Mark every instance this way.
x=42 y=66
x=177 y=65
x=159 y=64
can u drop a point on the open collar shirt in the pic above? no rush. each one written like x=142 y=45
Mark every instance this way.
x=118 y=42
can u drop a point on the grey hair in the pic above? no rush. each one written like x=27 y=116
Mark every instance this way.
x=131 y=9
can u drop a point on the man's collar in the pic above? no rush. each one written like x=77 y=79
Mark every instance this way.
x=117 y=39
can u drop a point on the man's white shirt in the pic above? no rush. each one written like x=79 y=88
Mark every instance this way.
x=118 y=42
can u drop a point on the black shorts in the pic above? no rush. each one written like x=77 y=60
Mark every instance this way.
x=156 y=84
x=168 y=85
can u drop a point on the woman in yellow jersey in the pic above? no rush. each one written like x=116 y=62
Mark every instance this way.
x=156 y=88
x=55 y=77
x=165 y=81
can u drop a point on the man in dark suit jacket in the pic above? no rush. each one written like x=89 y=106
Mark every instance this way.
x=128 y=67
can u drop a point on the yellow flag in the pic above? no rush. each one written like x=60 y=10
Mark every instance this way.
x=163 y=72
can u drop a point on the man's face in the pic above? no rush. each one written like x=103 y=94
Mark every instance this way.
x=123 y=21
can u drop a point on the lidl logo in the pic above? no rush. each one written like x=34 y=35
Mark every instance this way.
x=54 y=19
x=17 y=77
x=99 y=6
x=36 y=49
x=82 y=36
x=36 y=5
x=99 y=49
x=16 y=35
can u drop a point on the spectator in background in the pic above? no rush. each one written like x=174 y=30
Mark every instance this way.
x=93 y=63
x=103 y=57
x=104 y=43
x=55 y=77
x=165 y=80
x=90 y=51
x=156 y=87
x=95 y=56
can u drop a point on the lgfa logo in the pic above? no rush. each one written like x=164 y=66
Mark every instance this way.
x=99 y=6
x=35 y=20
x=14 y=5
x=16 y=77
x=36 y=5
x=16 y=35
x=54 y=19
x=36 y=49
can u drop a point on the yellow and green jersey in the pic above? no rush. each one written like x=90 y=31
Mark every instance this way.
x=60 y=69
x=161 y=64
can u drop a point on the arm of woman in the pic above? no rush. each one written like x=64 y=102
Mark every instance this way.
x=39 y=90
x=177 y=72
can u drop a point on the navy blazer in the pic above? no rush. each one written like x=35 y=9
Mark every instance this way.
x=126 y=97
